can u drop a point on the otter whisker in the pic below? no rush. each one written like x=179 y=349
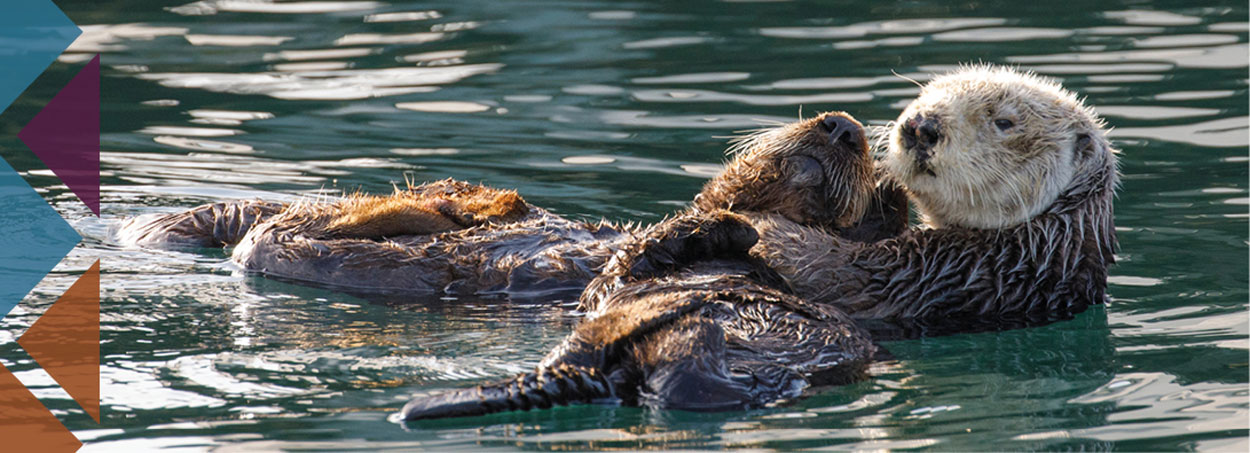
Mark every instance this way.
x=909 y=79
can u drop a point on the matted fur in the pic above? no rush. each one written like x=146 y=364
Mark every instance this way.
x=699 y=324
x=684 y=317
x=456 y=237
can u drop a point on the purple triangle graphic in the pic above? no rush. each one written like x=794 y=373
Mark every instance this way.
x=66 y=135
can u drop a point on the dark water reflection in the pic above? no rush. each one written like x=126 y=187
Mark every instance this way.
x=619 y=110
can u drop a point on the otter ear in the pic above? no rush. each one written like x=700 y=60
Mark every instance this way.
x=803 y=171
x=1086 y=147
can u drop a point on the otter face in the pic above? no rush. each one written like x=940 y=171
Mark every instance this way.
x=988 y=147
x=814 y=172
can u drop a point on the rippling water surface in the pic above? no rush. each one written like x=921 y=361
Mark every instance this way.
x=620 y=110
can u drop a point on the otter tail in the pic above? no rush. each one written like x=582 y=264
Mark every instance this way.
x=561 y=385
x=211 y=225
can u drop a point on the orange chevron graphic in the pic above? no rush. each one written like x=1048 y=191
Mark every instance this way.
x=65 y=341
x=26 y=425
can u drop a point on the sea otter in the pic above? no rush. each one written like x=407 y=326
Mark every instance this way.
x=1013 y=178
x=463 y=238
x=693 y=322
x=687 y=319
x=700 y=325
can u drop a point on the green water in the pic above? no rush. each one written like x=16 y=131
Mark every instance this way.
x=620 y=110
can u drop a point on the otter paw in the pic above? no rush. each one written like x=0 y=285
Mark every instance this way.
x=693 y=238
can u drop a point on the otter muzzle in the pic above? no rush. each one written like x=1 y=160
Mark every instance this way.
x=919 y=135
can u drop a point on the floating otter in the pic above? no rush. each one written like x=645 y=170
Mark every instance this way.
x=697 y=323
x=462 y=238
x=1013 y=178
x=691 y=320
x=446 y=236
x=700 y=325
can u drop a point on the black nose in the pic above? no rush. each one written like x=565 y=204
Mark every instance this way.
x=841 y=128
x=920 y=132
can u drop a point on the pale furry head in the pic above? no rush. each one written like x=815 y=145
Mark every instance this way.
x=992 y=147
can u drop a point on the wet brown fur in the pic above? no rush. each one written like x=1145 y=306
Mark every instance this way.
x=436 y=208
x=456 y=237
x=695 y=323
x=782 y=185
x=684 y=317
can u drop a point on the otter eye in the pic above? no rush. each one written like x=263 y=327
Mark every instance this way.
x=803 y=171
x=1003 y=124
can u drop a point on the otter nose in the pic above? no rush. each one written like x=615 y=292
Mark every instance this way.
x=841 y=128
x=922 y=132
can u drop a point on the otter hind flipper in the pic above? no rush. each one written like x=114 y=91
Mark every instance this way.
x=369 y=217
x=690 y=367
x=559 y=385
x=211 y=225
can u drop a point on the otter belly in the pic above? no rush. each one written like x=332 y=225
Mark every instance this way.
x=539 y=257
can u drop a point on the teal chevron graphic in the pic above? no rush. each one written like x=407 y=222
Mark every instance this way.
x=34 y=238
x=32 y=34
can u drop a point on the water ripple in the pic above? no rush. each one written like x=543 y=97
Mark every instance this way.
x=908 y=26
x=325 y=85
x=236 y=40
x=1145 y=17
x=210 y=7
x=1225 y=56
x=405 y=16
x=998 y=34
x=687 y=96
x=357 y=39
x=1225 y=132
x=1155 y=402
x=113 y=38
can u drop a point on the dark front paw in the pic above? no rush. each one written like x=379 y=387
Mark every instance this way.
x=669 y=246
x=886 y=216
x=692 y=238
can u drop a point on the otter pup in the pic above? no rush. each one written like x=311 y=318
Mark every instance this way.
x=700 y=325
x=1013 y=177
x=462 y=238
x=683 y=317
x=692 y=322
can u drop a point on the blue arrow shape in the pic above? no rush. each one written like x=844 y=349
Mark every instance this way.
x=32 y=34
x=34 y=238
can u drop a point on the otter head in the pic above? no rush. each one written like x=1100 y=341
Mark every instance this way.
x=814 y=172
x=991 y=147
